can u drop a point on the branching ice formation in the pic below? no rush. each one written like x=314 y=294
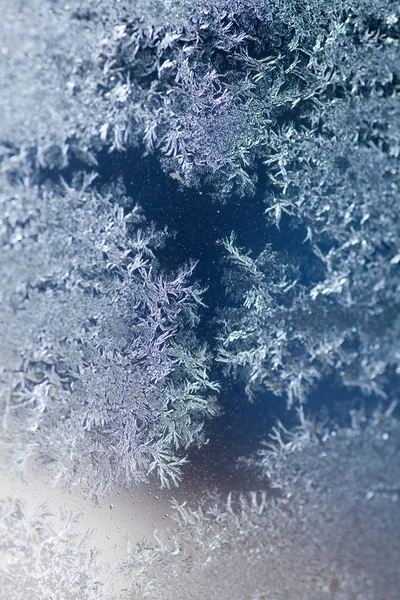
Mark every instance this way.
x=329 y=303
x=101 y=377
x=328 y=533
x=42 y=560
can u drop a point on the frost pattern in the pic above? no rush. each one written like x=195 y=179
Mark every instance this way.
x=206 y=85
x=329 y=531
x=40 y=561
x=101 y=375
x=328 y=302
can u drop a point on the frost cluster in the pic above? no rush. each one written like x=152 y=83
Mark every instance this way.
x=329 y=532
x=101 y=376
x=324 y=297
x=44 y=561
